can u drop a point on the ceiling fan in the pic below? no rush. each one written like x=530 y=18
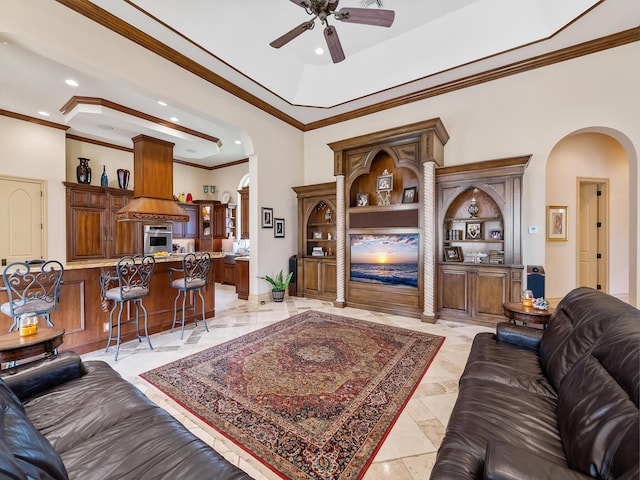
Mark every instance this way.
x=322 y=9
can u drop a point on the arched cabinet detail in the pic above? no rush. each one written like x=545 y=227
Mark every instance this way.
x=384 y=238
x=479 y=253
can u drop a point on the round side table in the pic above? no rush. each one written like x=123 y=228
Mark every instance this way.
x=515 y=312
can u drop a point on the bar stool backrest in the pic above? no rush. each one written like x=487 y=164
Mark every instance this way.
x=134 y=276
x=32 y=288
x=196 y=269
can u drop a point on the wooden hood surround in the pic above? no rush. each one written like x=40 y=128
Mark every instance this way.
x=153 y=187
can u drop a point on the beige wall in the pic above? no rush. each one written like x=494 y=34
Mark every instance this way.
x=590 y=155
x=523 y=114
x=32 y=151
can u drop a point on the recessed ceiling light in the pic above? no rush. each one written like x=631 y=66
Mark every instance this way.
x=43 y=113
x=105 y=127
x=160 y=102
x=238 y=142
x=71 y=82
x=191 y=150
x=174 y=119
x=319 y=51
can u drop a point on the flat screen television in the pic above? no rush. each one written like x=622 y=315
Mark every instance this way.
x=387 y=259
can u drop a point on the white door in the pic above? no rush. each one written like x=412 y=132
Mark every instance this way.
x=592 y=247
x=21 y=217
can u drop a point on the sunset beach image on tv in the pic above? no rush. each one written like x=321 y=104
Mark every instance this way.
x=390 y=259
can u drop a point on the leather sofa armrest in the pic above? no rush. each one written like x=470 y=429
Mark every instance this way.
x=32 y=378
x=519 y=335
x=505 y=462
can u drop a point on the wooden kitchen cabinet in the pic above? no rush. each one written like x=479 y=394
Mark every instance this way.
x=242 y=279
x=218 y=268
x=319 y=277
x=187 y=229
x=244 y=213
x=92 y=229
x=220 y=220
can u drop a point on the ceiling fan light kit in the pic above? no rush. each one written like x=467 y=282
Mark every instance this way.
x=322 y=9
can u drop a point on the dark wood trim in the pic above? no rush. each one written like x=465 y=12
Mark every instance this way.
x=75 y=101
x=71 y=136
x=486 y=165
x=27 y=118
x=569 y=53
x=115 y=24
x=213 y=167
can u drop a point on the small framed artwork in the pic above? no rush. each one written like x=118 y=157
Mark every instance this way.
x=474 y=231
x=384 y=182
x=409 y=195
x=317 y=235
x=278 y=231
x=362 y=199
x=496 y=235
x=557 y=223
x=267 y=217
x=452 y=254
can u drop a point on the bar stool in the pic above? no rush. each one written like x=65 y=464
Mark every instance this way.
x=195 y=275
x=33 y=288
x=133 y=277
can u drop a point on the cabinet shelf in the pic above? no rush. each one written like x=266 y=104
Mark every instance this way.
x=319 y=240
x=474 y=219
x=383 y=208
x=332 y=225
x=449 y=242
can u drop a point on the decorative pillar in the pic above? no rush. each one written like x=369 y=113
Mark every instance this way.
x=340 y=241
x=429 y=230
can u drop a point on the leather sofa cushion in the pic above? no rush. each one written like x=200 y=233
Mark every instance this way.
x=488 y=411
x=500 y=362
x=598 y=404
x=103 y=427
x=25 y=452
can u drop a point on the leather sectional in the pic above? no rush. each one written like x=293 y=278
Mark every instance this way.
x=560 y=403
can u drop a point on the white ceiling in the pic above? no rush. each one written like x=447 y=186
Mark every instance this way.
x=431 y=42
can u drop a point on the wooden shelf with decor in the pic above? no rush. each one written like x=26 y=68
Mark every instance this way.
x=480 y=260
x=316 y=261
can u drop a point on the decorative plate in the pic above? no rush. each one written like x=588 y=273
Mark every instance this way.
x=225 y=197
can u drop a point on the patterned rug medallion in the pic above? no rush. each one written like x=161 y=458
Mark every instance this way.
x=312 y=397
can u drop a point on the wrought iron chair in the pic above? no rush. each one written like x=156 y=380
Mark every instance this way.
x=33 y=288
x=193 y=278
x=133 y=279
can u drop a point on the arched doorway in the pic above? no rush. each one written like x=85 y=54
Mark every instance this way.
x=587 y=164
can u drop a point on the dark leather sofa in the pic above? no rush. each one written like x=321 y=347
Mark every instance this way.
x=62 y=418
x=560 y=403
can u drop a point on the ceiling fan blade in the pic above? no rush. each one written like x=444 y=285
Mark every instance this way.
x=379 y=18
x=333 y=42
x=291 y=34
x=302 y=3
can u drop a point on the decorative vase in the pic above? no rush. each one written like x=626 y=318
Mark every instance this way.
x=123 y=178
x=104 y=180
x=83 y=171
x=473 y=208
x=278 y=295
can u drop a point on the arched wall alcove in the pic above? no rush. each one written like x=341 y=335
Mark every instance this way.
x=597 y=154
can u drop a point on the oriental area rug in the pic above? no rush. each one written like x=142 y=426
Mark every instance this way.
x=311 y=397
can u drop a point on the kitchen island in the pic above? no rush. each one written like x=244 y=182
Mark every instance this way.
x=84 y=315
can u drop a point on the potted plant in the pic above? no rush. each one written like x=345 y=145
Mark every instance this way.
x=279 y=284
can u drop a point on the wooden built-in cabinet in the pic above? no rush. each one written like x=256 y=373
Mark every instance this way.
x=242 y=279
x=92 y=230
x=187 y=229
x=384 y=188
x=206 y=225
x=479 y=239
x=316 y=259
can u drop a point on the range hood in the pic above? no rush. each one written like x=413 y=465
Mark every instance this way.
x=153 y=184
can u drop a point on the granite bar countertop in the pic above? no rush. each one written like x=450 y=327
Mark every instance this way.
x=112 y=262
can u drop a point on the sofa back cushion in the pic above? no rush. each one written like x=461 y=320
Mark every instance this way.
x=592 y=353
x=25 y=452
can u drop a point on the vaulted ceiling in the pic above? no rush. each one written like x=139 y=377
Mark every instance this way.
x=433 y=46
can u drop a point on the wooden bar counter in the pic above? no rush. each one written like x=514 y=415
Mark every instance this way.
x=80 y=310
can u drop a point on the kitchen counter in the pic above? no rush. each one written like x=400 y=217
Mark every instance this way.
x=84 y=315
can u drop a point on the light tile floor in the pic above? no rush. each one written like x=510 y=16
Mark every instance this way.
x=409 y=450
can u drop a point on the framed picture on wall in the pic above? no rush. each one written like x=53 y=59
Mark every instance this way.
x=267 y=217
x=557 y=223
x=474 y=231
x=362 y=199
x=278 y=231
